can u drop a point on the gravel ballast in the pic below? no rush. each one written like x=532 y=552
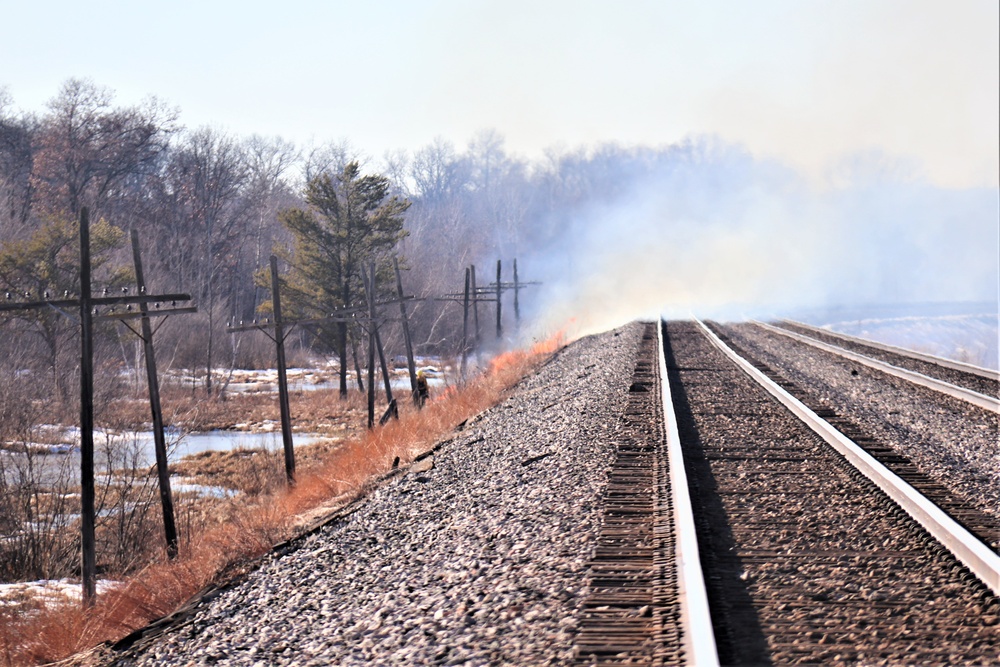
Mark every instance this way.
x=480 y=559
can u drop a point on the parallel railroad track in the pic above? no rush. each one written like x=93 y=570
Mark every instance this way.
x=982 y=380
x=981 y=525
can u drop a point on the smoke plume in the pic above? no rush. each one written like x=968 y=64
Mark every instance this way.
x=707 y=229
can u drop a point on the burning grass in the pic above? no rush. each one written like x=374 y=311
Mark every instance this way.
x=250 y=525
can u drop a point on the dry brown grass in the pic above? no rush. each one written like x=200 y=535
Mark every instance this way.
x=255 y=524
x=317 y=411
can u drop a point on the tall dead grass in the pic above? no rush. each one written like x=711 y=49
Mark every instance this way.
x=254 y=525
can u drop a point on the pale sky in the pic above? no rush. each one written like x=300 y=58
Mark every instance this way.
x=808 y=82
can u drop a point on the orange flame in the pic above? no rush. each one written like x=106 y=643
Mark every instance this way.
x=514 y=358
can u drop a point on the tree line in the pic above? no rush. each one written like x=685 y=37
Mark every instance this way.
x=211 y=207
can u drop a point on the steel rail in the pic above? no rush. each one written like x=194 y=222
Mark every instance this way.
x=991 y=403
x=972 y=369
x=980 y=559
x=695 y=618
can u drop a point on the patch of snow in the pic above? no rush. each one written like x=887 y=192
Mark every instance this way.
x=49 y=591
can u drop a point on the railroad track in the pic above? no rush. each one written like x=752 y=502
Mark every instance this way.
x=731 y=533
x=805 y=558
x=982 y=380
x=974 y=396
x=647 y=602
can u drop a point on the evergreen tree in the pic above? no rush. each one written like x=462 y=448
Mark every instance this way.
x=350 y=220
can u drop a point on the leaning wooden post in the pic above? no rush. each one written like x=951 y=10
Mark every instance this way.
x=499 y=320
x=474 y=293
x=159 y=442
x=87 y=520
x=286 y=413
x=357 y=366
x=465 y=326
x=370 y=292
x=410 y=364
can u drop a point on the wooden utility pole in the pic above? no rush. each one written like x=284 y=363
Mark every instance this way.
x=278 y=325
x=341 y=315
x=517 y=288
x=474 y=295
x=465 y=325
x=370 y=293
x=86 y=304
x=410 y=364
x=279 y=341
x=87 y=519
x=371 y=355
x=357 y=366
x=152 y=381
x=499 y=292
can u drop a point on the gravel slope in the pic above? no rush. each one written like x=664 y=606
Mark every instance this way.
x=479 y=560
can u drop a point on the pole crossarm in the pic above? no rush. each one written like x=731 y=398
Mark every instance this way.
x=517 y=285
x=350 y=314
x=124 y=299
x=136 y=315
x=461 y=297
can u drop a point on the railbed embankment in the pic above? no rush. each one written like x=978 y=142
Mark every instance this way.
x=476 y=555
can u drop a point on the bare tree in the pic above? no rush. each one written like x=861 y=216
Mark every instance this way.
x=268 y=161
x=16 y=160
x=86 y=146
x=206 y=180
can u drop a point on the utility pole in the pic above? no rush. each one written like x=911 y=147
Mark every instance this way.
x=465 y=325
x=152 y=381
x=87 y=519
x=410 y=363
x=86 y=303
x=341 y=315
x=279 y=341
x=371 y=356
x=499 y=292
x=474 y=295
x=517 y=288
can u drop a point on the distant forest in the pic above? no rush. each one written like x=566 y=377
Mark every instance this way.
x=210 y=208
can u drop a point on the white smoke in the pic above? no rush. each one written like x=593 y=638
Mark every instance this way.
x=711 y=231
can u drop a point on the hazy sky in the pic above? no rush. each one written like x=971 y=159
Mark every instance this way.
x=807 y=81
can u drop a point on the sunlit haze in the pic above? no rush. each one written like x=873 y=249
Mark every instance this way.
x=806 y=154
x=807 y=83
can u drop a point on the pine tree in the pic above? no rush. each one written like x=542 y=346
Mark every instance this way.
x=350 y=220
